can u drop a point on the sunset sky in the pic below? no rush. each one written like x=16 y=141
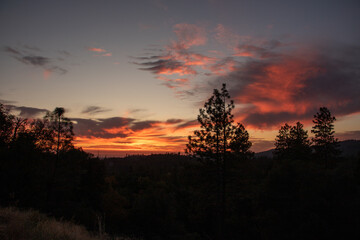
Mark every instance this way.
x=132 y=75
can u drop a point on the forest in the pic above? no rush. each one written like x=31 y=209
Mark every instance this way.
x=219 y=189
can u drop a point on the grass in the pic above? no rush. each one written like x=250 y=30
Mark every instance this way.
x=32 y=225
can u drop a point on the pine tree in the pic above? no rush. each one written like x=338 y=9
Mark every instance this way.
x=217 y=138
x=325 y=144
x=292 y=142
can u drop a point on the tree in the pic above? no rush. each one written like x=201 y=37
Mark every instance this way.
x=62 y=129
x=59 y=129
x=6 y=126
x=292 y=142
x=325 y=143
x=217 y=138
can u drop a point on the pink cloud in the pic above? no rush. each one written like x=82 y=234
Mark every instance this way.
x=189 y=35
x=96 y=49
x=107 y=55
x=46 y=74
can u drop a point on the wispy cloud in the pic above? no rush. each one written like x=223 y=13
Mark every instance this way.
x=160 y=4
x=99 y=50
x=92 y=110
x=178 y=63
x=24 y=56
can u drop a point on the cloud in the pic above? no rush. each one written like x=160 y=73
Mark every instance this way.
x=11 y=50
x=271 y=80
x=355 y=135
x=23 y=56
x=141 y=125
x=99 y=50
x=102 y=52
x=65 y=53
x=292 y=85
x=159 y=4
x=177 y=59
x=28 y=112
x=34 y=60
x=167 y=67
x=92 y=110
x=189 y=35
x=101 y=128
x=187 y=124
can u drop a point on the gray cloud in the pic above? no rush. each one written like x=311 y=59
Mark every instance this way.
x=141 y=125
x=34 y=60
x=28 y=112
x=99 y=127
x=91 y=110
x=23 y=56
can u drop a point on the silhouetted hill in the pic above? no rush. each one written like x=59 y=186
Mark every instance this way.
x=347 y=147
x=350 y=147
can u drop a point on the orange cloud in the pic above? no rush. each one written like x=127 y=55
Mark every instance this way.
x=279 y=87
x=134 y=136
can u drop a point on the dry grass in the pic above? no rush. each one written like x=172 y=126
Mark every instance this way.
x=31 y=225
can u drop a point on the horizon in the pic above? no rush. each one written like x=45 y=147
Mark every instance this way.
x=132 y=76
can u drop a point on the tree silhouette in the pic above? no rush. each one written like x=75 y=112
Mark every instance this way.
x=62 y=129
x=292 y=142
x=217 y=138
x=325 y=143
x=6 y=126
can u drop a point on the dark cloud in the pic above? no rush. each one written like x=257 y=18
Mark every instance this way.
x=27 y=58
x=101 y=128
x=137 y=110
x=91 y=110
x=30 y=112
x=65 y=53
x=187 y=124
x=174 y=121
x=27 y=112
x=166 y=66
x=34 y=60
x=11 y=50
x=141 y=125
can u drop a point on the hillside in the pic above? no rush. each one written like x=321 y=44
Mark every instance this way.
x=348 y=148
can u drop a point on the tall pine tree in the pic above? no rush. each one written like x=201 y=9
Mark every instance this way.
x=325 y=144
x=216 y=140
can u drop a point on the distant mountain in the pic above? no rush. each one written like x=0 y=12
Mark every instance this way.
x=347 y=147
x=350 y=147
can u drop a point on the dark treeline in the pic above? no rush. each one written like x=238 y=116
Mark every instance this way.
x=218 y=191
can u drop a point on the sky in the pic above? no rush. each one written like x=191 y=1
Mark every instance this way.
x=132 y=75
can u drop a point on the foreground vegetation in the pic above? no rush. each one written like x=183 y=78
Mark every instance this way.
x=31 y=225
x=218 y=191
